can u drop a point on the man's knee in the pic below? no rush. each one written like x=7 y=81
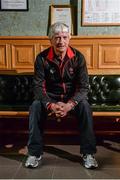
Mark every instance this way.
x=36 y=105
x=83 y=104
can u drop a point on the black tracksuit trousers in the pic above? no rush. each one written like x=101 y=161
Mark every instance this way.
x=38 y=113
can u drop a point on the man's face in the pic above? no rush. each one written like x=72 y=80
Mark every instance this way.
x=60 y=42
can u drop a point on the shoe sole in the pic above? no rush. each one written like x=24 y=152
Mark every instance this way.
x=91 y=167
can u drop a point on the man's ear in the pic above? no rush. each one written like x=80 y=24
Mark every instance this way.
x=50 y=41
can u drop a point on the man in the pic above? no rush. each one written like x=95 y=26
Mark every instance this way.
x=60 y=85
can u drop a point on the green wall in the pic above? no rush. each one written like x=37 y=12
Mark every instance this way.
x=35 y=21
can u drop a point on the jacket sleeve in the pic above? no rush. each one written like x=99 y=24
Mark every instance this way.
x=81 y=80
x=39 y=83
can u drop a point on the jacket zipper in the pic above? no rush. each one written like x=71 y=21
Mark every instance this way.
x=61 y=74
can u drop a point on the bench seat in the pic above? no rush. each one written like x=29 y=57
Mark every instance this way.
x=104 y=98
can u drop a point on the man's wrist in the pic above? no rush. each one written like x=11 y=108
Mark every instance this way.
x=50 y=106
x=72 y=104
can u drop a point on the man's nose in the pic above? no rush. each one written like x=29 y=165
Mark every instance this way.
x=61 y=39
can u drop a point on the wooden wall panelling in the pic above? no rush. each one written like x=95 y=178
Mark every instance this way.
x=87 y=51
x=89 y=48
x=102 y=54
x=23 y=56
x=4 y=57
x=109 y=55
x=43 y=46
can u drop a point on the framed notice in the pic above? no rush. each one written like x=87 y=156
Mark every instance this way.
x=63 y=13
x=100 y=12
x=13 y=5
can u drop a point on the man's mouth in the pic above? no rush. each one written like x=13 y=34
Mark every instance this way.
x=60 y=46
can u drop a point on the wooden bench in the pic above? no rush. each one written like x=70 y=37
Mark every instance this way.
x=10 y=114
x=104 y=97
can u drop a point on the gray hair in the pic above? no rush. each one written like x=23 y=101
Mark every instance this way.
x=58 y=27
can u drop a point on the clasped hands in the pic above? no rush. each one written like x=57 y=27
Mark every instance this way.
x=60 y=109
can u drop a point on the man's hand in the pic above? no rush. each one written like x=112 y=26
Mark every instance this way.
x=60 y=109
x=55 y=108
x=63 y=109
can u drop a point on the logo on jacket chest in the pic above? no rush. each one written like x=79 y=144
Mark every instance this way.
x=71 y=71
x=52 y=71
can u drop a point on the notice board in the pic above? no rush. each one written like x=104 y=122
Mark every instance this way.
x=100 y=12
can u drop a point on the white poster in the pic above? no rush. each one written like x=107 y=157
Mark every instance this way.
x=101 y=12
x=13 y=4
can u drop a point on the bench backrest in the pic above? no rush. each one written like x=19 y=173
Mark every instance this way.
x=16 y=91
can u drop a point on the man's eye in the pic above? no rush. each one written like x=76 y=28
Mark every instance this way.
x=60 y=38
x=65 y=37
x=56 y=38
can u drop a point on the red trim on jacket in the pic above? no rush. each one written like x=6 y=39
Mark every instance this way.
x=70 y=53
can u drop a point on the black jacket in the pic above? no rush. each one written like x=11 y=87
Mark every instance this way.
x=54 y=83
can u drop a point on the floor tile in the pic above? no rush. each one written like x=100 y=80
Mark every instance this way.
x=70 y=172
x=61 y=162
x=8 y=172
x=104 y=173
x=43 y=172
x=10 y=160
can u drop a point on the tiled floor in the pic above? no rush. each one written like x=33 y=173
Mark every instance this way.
x=61 y=162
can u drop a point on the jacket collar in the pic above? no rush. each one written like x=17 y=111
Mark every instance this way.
x=51 y=55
